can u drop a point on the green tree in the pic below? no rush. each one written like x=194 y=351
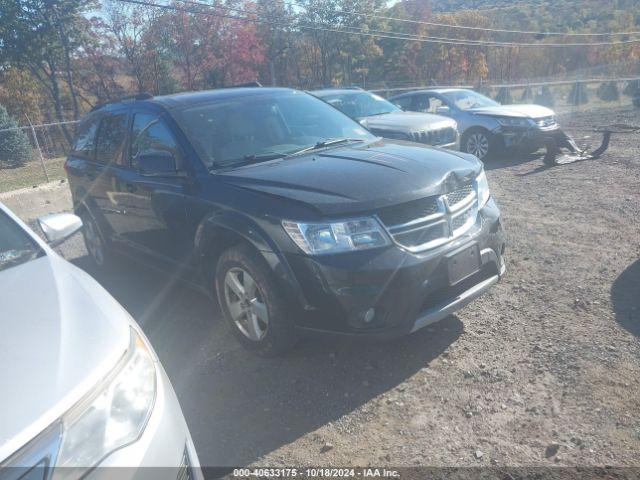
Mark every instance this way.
x=14 y=144
x=43 y=36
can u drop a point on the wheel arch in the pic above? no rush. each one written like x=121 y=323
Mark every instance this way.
x=219 y=232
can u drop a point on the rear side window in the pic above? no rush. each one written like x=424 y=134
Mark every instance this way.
x=113 y=131
x=85 y=143
x=149 y=134
x=404 y=102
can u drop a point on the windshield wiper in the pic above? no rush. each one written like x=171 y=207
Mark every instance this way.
x=327 y=143
x=376 y=114
x=248 y=160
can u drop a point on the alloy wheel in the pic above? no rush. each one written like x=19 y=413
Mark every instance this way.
x=478 y=145
x=246 y=304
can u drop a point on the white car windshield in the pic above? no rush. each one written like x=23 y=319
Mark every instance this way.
x=466 y=99
x=16 y=246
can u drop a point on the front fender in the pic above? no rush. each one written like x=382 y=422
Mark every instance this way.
x=220 y=224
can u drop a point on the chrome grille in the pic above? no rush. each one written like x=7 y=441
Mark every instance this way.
x=439 y=136
x=459 y=195
x=417 y=228
x=409 y=211
x=184 y=471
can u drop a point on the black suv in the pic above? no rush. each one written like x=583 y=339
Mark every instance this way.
x=298 y=218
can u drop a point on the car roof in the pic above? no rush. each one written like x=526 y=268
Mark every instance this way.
x=187 y=99
x=431 y=90
x=325 y=92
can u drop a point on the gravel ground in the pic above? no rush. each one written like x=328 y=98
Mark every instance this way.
x=541 y=371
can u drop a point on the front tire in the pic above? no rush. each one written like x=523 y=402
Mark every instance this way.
x=252 y=304
x=481 y=143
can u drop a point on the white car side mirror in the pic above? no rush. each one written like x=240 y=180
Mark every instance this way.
x=57 y=227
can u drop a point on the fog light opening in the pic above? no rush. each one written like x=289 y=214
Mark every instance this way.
x=369 y=315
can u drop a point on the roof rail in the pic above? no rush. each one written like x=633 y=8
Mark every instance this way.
x=245 y=85
x=126 y=98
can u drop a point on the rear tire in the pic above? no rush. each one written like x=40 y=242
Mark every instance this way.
x=481 y=143
x=253 y=306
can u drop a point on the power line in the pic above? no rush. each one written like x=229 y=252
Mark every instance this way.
x=420 y=37
x=362 y=32
x=466 y=27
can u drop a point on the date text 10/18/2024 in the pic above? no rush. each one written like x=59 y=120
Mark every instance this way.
x=304 y=473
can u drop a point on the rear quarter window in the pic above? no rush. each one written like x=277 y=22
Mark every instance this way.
x=85 y=142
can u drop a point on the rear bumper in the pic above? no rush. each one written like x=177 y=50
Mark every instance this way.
x=406 y=291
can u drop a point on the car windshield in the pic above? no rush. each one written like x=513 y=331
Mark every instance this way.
x=16 y=246
x=360 y=104
x=253 y=128
x=466 y=99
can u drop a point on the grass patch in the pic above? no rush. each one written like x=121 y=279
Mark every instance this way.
x=31 y=174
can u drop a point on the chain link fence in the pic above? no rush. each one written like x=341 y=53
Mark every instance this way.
x=43 y=161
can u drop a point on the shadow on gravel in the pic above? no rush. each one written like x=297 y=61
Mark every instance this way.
x=510 y=160
x=625 y=297
x=240 y=407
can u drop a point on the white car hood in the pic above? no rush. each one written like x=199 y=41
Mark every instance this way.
x=60 y=334
x=408 y=122
x=527 y=111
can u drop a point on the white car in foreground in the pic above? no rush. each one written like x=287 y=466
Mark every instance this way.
x=81 y=386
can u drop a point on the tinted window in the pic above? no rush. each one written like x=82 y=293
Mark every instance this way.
x=150 y=134
x=229 y=131
x=113 y=130
x=427 y=104
x=84 y=145
x=404 y=102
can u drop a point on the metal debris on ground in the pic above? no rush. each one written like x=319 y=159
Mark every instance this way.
x=555 y=155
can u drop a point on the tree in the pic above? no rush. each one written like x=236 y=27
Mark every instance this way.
x=42 y=36
x=14 y=144
x=129 y=24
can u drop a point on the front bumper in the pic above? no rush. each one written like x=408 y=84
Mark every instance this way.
x=406 y=290
x=528 y=139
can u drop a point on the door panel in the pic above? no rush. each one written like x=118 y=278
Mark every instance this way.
x=110 y=144
x=153 y=217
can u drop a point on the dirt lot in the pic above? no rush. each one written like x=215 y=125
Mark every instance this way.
x=31 y=174
x=542 y=371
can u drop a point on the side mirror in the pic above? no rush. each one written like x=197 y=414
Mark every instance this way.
x=57 y=227
x=399 y=106
x=157 y=163
x=443 y=110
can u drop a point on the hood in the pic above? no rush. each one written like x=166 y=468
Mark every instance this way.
x=60 y=334
x=359 y=178
x=522 y=111
x=407 y=122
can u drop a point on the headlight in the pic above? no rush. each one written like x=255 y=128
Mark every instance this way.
x=334 y=237
x=113 y=417
x=482 y=187
x=514 y=122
